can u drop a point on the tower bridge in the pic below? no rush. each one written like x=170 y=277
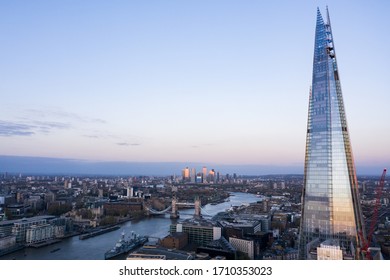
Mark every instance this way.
x=173 y=209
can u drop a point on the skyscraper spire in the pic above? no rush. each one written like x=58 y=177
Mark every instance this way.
x=331 y=218
x=327 y=16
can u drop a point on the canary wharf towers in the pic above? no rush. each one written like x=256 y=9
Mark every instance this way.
x=331 y=223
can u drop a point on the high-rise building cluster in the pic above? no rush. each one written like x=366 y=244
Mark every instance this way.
x=191 y=176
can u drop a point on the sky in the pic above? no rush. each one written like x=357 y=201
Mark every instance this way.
x=211 y=82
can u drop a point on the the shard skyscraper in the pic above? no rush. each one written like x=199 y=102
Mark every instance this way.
x=331 y=222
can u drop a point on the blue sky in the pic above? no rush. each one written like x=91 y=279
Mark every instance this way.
x=220 y=82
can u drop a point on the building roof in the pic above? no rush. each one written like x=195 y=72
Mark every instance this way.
x=32 y=219
x=199 y=222
x=220 y=244
x=240 y=223
x=170 y=254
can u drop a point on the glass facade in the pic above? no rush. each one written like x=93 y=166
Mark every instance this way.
x=330 y=199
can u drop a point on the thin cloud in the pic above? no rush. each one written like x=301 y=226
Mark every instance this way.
x=202 y=145
x=60 y=114
x=120 y=140
x=98 y=121
x=91 y=136
x=123 y=144
x=51 y=125
x=128 y=144
x=99 y=135
x=15 y=129
x=8 y=128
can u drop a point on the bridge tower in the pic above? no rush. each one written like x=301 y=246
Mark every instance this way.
x=174 y=213
x=198 y=206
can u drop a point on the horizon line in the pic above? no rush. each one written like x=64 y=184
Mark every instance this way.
x=52 y=165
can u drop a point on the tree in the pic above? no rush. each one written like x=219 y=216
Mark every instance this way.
x=108 y=220
x=59 y=209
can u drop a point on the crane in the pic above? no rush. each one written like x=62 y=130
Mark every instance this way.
x=374 y=219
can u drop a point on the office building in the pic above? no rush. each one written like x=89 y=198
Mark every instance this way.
x=244 y=246
x=331 y=208
x=186 y=174
x=204 y=172
x=211 y=177
x=193 y=175
x=200 y=232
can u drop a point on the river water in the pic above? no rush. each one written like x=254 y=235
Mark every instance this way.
x=94 y=248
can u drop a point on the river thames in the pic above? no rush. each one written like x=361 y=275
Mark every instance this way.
x=94 y=248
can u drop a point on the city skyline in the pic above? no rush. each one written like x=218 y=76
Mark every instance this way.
x=219 y=83
x=52 y=166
